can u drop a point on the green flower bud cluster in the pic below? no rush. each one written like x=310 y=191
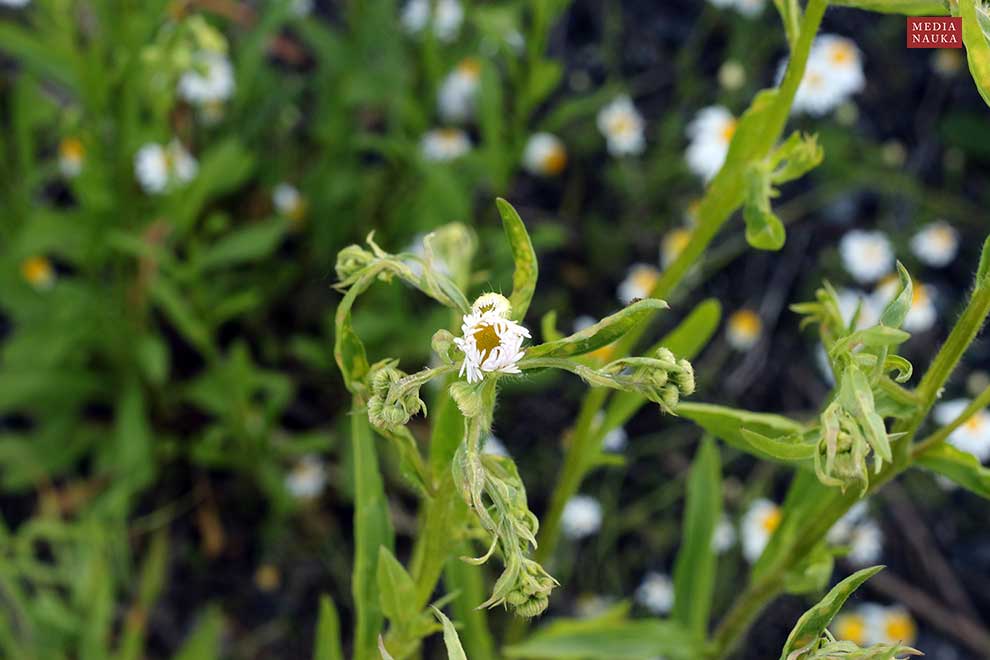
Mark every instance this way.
x=351 y=261
x=392 y=403
x=531 y=592
x=670 y=379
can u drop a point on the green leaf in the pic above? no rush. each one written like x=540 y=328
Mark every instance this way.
x=526 y=269
x=960 y=466
x=222 y=169
x=175 y=306
x=467 y=580
x=763 y=435
x=154 y=570
x=372 y=530
x=764 y=230
x=799 y=154
x=896 y=310
x=243 y=245
x=694 y=569
x=348 y=349
x=450 y=639
x=396 y=590
x=603 y=333
x=327 y=645
x=813 y=622
x=812 y=573
x=977 y=48
x=608 y=639
x=204 y=641
x=906 y=7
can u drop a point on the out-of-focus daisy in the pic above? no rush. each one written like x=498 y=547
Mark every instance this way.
x=851 y=627
x=731 y=75
x=582 y=516
x=639 y=282
x=71 y=155
x=444 y=144
x=893 y=153
x=616 y=439
x=834 y=72
x=446 y=17
x=14 y=3
x=38 y=272
x=936 y=244
x=307 y=478
x=974 y=435
x=656 y=593
x=160 y=167
x=672 y=244
x=865 y=544
x=725 y=535
x=852 y=302
x=947 y=62
x=710 y=133
x=921 y=316
x=494 y=446
x=622 y=127
x=587 y=606
x=302 y=8
x=743 y=329
x=545 y=155
x=289 y=202
x=458 y=94
x=866 y=255
x=491 y=342
x=211 y=79
x=888 y=625
x=745 y=7
x=758 y=525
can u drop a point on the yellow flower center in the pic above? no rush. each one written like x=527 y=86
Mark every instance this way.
x=37 y=271
x=644 y=279
x=815 y=80
x=487 y=340
x=745 y=322
x=729 y=130
x=449 y=134
x=852 y=628
x=674 y=243
x=900 y=628
x=622 y=124
x=555 y=161
x=603 y=354
x=470 y=67
x=771 y=521
x=919 y=296
x=976 y=422
x=71 y=149
x=841 y=55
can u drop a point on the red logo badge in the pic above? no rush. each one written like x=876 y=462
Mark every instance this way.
x=934 y=32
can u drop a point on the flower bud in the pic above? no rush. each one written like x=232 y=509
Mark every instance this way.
x=443 y=346
x=468 y=398
x=685 y=377
x=351 y=260
x=388 y=408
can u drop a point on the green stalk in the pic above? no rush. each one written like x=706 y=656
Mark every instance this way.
x=941 y=435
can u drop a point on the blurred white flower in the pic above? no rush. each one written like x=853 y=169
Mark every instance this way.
x=71 y=155
x=38 y=272
x=921 y=316
x=622 y=127
x=616 y=439
x=710 y=133
x=159 y=167
x=758 y=525
x=731 y=75
x=639 y=282
x=947 y=62
x=545 y=155
x=850 y=627
x=888 y=625
x=866 y=255
x=302 y=8
x=974 y=434
x=211 y=79
x=834 y=72
x=288 y=201
x=584 y=321
x=656 y=593
x=494 y=446
x=446 y=15
x=15 y=3
x=745 y=7
x=743 y=329
x=491 y=342
x=672 y=244
x=307 y=478
x=444 y=144
x=582 y=516
x=852 y=301
x=587 y=606
x=936 y=244
x=865 y=544
x=458 y=93
x=725 y=535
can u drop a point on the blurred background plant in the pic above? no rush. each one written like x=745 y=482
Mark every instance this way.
x=175 y=183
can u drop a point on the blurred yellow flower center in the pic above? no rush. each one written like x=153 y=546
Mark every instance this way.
x=674 y=243
x=470 y=67
x=771 y=521
x=900 y=628
x=842 y=54
x=71 y=149
x=37 y=271
x=555 y=161
x=851 y=628
x=815 y=79
x=449 y=134
x=729 y=130
x=644 y=279
x=745 y=322
x=622 y=124
x=976 y=422
x=919 y=296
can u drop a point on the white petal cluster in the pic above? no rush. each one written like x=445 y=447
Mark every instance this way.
x=159 y=167
x=745 y=7
x=639 y=282
x=544 y=155
x=444 y=144
x=490 y=341
x=710 y=133
x=833 y=74
x=616 y=439
x=288 y=201
x=302 y=8
x=494 y=446
x=307 y=479
x=974 y=435
x=872 y=623
x=861 y=533
x=446 y=17
x=210 y=80
x=622 y=127
x=758 y=524
x=656 y=593
x=582 y=516
x=725 y=535
x=866 y=255
x=936 y=244
x=743 y=329
x=458 y=93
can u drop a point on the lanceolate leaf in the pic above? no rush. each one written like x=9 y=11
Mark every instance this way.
x=396 y=590
x=600 y=334
x=526 y=270
x=761 y=434
x=977 y=48
x=327 y=646
x=607 y=639
x=450 y=639
x=960 y=466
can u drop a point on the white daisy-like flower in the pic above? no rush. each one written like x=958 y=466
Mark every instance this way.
x=725 y=535
x=494 y=446
x=639 y=282
x=834 y=72
x=865 y=544
x=743 y=329
x=622 y=127
x=888 y=625
x=843 y=527
x=491 y=342
x=38 y=272
x=71 y=154
x=851 y=627
x=544 y=155
x=446 y=16
x=307 y=478
x=758 y=525
x=936 y=244
x=656 y=593
x=210 y=80
x=582 y=516
x=288 y=201
x=852 y=301
x=710 y=133
x=866 y=255
x=922 y=314
x=444 y=144
x=672 y=244
x=160 y=167
x=458 y=93
x=616 y=439
x=974 y=435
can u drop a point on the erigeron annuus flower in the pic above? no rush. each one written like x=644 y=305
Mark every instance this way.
x=38 y=272
x=446 y=17
x=744 y=329
x=444 y=144
x=888 y=624
x=656 y=593
x=210 y=80
x=639 y=282
x=834 y=72
x=288 y=201
x=922 y=314
x=307 y=478
x=622 y=127
x=851 y=627
x=458 y=94
x=615 y=440
x=865 y=544
x=725 y=535
x=544 y=155
x=710 y=133
x=866 y=255
x=582 y=516
x=936 y=244
x=491 y=342
x=974 y=434
x=71 y=154
x=758 y=525
x=159 y=167
x=672 y=244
